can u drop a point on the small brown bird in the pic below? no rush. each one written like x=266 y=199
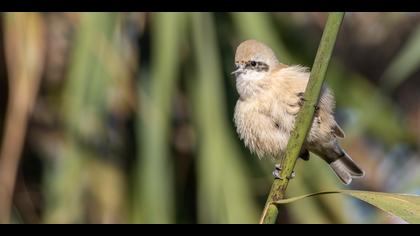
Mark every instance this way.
x=270 y=96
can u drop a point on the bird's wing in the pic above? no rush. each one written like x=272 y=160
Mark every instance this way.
x=327 y=104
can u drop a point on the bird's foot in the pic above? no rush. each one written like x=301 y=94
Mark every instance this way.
x=277 y=171
x=293 y=175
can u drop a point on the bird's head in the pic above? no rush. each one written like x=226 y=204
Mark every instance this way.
x=253 y=60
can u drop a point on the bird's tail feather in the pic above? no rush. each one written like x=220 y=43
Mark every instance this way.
x=346 y=169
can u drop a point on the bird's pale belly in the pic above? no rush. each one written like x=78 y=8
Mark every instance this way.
x=260 y=134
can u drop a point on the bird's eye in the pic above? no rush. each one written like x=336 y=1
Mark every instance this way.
x=253 y=63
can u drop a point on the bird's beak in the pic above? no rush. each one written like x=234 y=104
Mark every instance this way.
x=238 y=70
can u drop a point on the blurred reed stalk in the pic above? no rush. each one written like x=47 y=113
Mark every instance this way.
x=84 y=182
x=224 y=195
x=154 y=192
x=25 y=51
x=305 y=116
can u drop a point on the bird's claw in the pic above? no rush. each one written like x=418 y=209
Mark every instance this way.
x=293 y=175
x=277 y=171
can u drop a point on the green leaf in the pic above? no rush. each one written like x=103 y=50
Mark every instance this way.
x=405 y=206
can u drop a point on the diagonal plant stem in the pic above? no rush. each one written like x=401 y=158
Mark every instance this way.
x=24 y=50
x=305 y=116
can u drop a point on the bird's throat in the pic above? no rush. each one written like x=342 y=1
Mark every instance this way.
x=247 y=84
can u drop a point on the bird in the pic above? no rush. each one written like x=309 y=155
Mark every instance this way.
x=270 y=95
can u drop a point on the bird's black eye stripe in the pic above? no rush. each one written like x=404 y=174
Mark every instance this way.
x=253 y=63
x=257 y=65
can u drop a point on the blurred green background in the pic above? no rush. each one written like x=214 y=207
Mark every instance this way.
x=127 y=117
